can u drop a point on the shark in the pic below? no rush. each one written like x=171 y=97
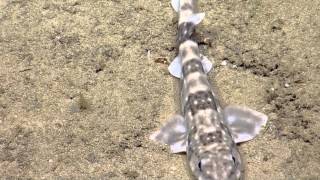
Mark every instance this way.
x=205 y=130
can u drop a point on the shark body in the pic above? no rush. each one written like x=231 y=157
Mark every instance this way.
x=207 y=132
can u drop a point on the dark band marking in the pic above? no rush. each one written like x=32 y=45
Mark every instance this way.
x=194 y=130
x=193 y=65
x=187 y=7
x=211 y=137
x=185 y=31
x=184 y=53
x=203 y=102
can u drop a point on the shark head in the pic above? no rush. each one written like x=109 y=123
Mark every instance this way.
x=220 y=166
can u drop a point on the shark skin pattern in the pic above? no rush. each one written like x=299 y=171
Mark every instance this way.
x=211 y=151
x=207 y=132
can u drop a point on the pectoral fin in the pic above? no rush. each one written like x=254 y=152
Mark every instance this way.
x=175 y=5
x=173 y=133
x=206 y=63
x=244 y=123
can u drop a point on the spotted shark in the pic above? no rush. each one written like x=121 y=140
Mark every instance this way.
x=206 y=131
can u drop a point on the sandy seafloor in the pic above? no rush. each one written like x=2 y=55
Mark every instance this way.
x=80 y=94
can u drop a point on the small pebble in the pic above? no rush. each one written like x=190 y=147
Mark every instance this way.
x=173 y=168
x=286 y=85
x=224 y=63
